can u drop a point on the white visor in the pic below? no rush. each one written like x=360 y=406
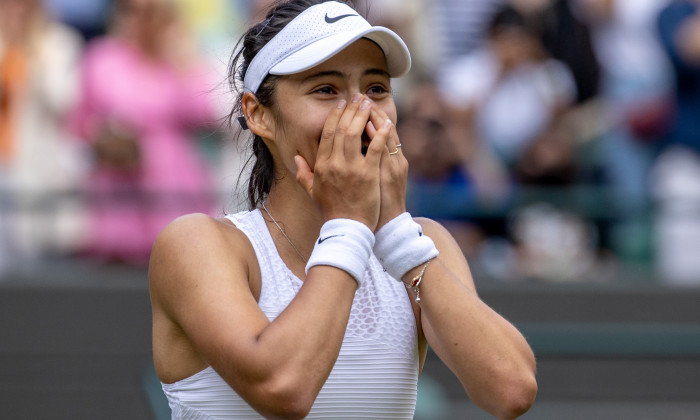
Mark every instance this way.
x=316 y=35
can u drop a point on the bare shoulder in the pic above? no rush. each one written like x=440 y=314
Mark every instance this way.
x=188 y=238
x=194 y=230
x=195 y=244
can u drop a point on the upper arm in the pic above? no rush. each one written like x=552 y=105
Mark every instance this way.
x=199 y=279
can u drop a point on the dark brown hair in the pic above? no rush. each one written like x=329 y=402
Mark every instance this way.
x=253 y=40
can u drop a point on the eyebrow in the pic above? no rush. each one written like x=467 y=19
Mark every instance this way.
x=336 y=73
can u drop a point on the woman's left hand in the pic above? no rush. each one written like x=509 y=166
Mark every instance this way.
x=393 y=169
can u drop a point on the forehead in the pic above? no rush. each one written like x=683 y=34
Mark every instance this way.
x=359 y=56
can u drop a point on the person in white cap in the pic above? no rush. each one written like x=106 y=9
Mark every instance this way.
x=321 y=300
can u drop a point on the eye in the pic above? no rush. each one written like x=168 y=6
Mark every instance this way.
x=377 y=90
x=324 y=90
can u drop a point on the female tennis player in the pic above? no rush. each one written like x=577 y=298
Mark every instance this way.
x=322 y=299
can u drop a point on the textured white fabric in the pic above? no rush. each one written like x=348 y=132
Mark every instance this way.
x=345 y=244
x=376 y=374
x=317 y=34
x=401 y=246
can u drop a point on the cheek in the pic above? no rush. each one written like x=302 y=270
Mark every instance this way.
x=302 y=132
x=310 y=126
x=313 y=136
x=317 y=124
x=302 y=124
x=390 y=110
x=311 y=120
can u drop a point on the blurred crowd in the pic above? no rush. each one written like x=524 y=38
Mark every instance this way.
x=555 y=138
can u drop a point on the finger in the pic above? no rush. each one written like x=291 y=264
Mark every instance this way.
x=325 y=147
x=371 y=130
x=353 y=141
x=346 y=120
x=379 y=113
x=378 y=117
x=305 y=177
x=394 y=140
x=377 y=147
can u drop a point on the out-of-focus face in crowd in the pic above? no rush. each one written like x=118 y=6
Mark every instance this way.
x=147 y=22
x=514 y=45
x=513 y=40
x=16 y=17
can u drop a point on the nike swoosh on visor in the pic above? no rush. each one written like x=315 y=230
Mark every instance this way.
x=337 y=18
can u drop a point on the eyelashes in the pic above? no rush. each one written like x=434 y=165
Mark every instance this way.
x=377 y=90
x=371 y=91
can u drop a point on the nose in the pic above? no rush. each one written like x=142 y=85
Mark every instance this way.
x=355 y=96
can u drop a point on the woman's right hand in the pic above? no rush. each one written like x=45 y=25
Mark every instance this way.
x=343 y=182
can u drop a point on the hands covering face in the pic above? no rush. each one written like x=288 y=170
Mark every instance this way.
x=344 y=183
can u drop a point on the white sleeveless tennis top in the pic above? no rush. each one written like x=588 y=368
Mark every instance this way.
x=376 y=374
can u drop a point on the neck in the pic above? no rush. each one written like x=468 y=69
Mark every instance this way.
x=296 y=213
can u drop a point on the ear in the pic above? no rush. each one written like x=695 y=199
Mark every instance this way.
x=258 y=117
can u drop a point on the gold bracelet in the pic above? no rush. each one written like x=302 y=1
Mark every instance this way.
x=415 y=282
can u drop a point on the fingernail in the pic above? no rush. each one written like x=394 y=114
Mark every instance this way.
x=387 y=123
x=370 y=125
x=342 y=104
x=356 y=98
x=366 y=104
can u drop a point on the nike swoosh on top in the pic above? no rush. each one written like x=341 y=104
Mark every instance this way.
x=320 y=241
x=337 y=18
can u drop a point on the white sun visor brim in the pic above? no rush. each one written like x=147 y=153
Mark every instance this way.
x=397 y=55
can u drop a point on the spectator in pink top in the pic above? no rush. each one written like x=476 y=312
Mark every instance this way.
x=144 y=98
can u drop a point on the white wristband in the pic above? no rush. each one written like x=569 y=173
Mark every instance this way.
x=401 y=246
x=345 y=244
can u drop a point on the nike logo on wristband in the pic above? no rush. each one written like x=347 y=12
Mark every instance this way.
x=420 y=232
x=322 y=240
x=337 y=18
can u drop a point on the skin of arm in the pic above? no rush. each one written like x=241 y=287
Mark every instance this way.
x=490 y=357
x=278 y=367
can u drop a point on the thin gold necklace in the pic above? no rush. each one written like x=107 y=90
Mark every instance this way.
x=283 y=233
